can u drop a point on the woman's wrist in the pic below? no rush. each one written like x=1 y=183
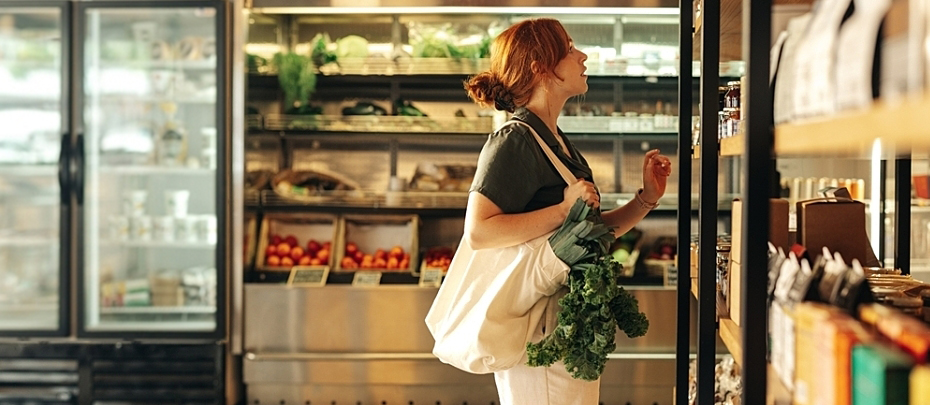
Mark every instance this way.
x=646 y=202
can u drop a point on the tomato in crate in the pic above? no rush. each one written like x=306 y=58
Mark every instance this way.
x=377 y=242
x=288 y=240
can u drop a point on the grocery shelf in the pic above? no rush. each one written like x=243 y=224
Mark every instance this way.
x=20 y=241
x=137 y=170
x=158 y=310
x=156 y=326
x=732 y=146
x=377 y=124
x=732 y=337
x=145 y=98
x=481 y=126
x=730 y=333
x=161 y=64
x=426 y=200
x=14 y=169
x=159 y=244
x=899 y=128
x=777 y=393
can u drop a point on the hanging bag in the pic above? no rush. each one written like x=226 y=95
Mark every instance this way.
x=492 y=300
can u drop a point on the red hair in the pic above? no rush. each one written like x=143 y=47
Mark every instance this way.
x=512 y=77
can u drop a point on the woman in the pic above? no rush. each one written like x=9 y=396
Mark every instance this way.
x=517 y=195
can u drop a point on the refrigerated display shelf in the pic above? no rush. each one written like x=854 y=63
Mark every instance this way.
x=133 y=98
x=28 y=170
x=18 y=99
x=161 y=64
x=157 y=310
x=159 y=244
x=28 y=241
x=142 y=170
x=11 y=308
x=155 y=326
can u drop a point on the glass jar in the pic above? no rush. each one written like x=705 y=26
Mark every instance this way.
x=732 y=97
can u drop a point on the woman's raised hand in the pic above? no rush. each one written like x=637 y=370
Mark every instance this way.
x=656 y=169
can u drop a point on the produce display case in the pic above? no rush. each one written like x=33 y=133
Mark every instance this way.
x=384 y=108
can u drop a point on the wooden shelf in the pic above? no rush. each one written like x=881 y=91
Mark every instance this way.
x=730 y=333
x=777 y=393
x=733 y=146
x=900 y=128
x=732 y=336
x=731 y=28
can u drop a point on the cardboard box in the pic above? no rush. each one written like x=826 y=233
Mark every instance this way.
x=920 y=385
x=880 y=375
x=810 y=350
x=837 y=225
x=322 y=228
x=778 y=235
x=371 y=233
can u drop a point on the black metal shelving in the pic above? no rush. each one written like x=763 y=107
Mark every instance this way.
x=758 y=147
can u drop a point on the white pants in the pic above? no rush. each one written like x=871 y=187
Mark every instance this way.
x=553 y=385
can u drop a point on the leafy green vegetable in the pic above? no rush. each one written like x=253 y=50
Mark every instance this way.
x=320 y=54
x=351 y=46
x=297 y=77
x=595 y=305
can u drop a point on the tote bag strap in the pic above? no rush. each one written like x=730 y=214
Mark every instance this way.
x=559 y=166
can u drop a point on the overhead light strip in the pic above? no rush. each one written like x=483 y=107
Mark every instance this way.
x=472 y=10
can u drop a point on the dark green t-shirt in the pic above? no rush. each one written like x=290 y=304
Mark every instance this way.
x=516 y=175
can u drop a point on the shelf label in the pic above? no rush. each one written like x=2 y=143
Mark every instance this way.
x=366 y=278
x=431 y=277
x=307 y=276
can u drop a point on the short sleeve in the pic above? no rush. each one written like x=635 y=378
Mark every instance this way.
x=507 y=173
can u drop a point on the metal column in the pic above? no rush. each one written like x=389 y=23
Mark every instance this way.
x=707 y=269
x=902 y=215
x=685 y=87
x=757 y=19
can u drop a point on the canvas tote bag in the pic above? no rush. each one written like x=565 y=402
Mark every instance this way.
x=492 y=300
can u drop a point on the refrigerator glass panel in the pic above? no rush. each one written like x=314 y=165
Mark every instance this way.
x=30 y=141
x=150 y=220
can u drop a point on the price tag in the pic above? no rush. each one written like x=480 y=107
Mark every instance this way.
x=308 y=276
x=431 y=277
x=366 y=278
x=616 y=125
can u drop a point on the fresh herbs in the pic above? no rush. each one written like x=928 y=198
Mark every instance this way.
x=297 y=77
x=595 y=305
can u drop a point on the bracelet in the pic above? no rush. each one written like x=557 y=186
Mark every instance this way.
x=643 y=204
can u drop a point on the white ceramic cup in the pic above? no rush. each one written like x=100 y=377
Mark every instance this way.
x=176 y=202
x=163 y=229
x=134 y=202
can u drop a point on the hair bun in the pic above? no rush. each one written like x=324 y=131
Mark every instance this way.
x=486 y=88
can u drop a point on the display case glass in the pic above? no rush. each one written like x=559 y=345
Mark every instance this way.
x=150 y=212
x=31 y=135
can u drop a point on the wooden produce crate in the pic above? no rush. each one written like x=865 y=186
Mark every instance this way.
x=377 y=243
x=309 y=237
x=436 y=257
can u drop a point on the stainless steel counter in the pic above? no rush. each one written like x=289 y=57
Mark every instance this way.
x=366 y=346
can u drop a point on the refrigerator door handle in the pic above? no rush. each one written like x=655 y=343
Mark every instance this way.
x=64 y=169
x=78 y=170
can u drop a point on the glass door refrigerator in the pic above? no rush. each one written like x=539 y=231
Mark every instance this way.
x=114 y=184
x=34 y=198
